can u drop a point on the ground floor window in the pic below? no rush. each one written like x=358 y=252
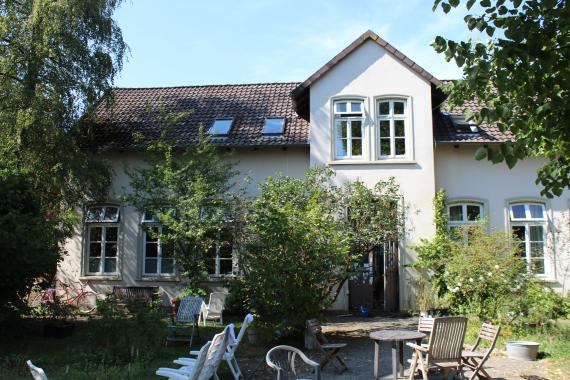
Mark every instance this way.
x=102 y=226
x=461 y=215
x=158 y=258
x=219 y=258
x=528 y=225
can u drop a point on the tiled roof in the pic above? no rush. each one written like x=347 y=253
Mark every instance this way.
x=445 y=131
x=247 y=104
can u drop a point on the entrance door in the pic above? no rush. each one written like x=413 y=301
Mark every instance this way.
x=375 y=284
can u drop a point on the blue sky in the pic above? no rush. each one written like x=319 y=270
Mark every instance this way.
x=188 y=42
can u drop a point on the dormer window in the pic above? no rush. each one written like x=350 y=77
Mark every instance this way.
x=462 y=126
x=221 y=127
x=348 y=129
x=274 y=126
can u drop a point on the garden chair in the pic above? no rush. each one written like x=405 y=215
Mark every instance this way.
x=475 y=359
x=214 y=309
x=291 y=363
x=186 y=317
x=229 y=356
x=443 y=349
x=425 y=325
x=330 y=351
x=214 y=357
x=37 y=372
x=193 y=373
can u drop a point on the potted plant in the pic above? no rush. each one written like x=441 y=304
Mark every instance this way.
x=425 y=296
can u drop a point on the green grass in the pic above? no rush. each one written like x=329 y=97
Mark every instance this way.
x=76 y=357
x=554 y=343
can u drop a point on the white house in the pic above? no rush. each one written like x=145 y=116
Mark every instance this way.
x=369 y=113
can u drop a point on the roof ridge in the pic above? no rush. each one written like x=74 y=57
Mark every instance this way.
x=205 y=85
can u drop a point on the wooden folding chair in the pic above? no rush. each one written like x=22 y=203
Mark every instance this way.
x=444 y=347
x=474 y=359
x=330 y=351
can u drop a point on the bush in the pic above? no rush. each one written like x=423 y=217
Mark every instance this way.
x=295 y=254
x=28 y=242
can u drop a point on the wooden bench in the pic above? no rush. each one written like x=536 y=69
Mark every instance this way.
x=139 y=293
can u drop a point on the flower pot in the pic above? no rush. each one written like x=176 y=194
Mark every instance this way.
x=58 y=330
x=522 y=350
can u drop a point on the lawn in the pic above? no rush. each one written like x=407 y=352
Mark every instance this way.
x=84 y=356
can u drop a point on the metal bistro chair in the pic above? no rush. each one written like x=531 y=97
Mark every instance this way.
x=290 y=363
x=186 y=317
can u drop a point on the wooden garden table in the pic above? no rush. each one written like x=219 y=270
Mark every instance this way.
x=397 y=337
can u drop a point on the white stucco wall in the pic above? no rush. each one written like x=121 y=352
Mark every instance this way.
x=257 y=164
x=370 y=72
x=495 y=186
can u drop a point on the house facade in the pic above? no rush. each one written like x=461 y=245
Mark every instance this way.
x=370 y=113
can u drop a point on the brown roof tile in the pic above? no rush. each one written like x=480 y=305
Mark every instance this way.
x=247 y=104
x=445 y=131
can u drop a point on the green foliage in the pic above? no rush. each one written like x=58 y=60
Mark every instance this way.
x=432 y=253
x=188 y=189
x=28 y=242
x=295 y=253
x=125 y=330
x=520 y=78
x=485 y=276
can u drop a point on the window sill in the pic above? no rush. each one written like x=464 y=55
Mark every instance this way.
x=377 y=162
x=218 y=278
x=545 y=279
x=160 y=278
x=96 y=277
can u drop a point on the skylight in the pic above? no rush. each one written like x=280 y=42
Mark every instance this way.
x=221 y=127
x=273 y=126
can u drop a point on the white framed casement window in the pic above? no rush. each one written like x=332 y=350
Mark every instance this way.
x=102 y=228
x=461 y=215
x=348 y=129
x=220 y=258
x=528 y=224
x=158 y=259
x=393 y=124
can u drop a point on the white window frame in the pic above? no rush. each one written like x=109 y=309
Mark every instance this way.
x=349 y=116
x=391 y=117
x=464 y=222
x=153 y=223
x=527 y=222
x=104 y=224
x=217 y=263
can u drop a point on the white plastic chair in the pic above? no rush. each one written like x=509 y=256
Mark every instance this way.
x=214 y=309
x=210 y=365
x=291 y=363
x=174 y=374
x=229 y=355
x=37 y=372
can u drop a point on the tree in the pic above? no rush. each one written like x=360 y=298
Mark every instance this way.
x=28 y=242
x=188 y=189
x=521 y=79
x=295 y=250
x=57 y=58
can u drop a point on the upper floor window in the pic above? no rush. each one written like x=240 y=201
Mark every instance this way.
x=461 y=215
x=158 y=259
x=392 y=128
x=102 y=226
x=221 y=127
x=528 y=224
x=348 y=129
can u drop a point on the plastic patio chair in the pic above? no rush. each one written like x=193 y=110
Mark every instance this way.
x=229 y=356
x=205 y=370
x=37 y=372
x=443 y=349
x=192 y=374
x=186 y=317
x=214 y=309
x=475 y=359
x=291 y=363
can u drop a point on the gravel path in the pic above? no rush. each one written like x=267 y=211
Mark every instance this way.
x=359 y=354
